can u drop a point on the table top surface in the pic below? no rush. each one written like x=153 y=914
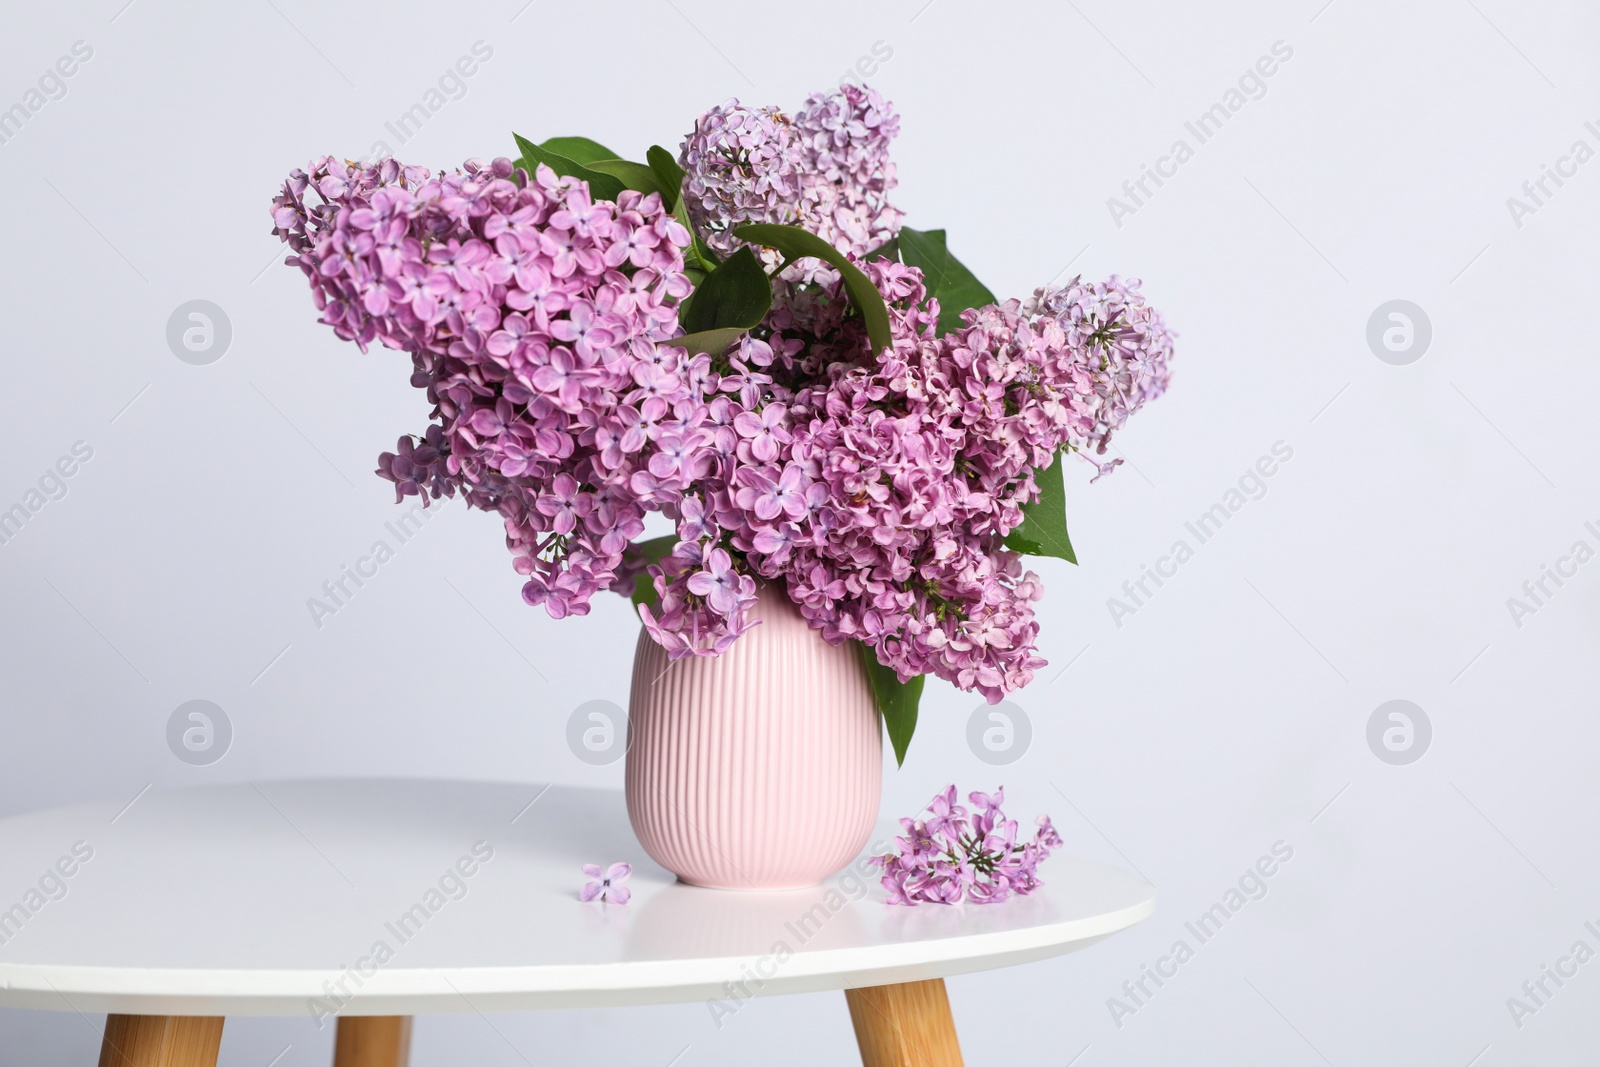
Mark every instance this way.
x=388 y=896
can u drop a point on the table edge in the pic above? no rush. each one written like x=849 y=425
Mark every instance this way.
x=446 y=990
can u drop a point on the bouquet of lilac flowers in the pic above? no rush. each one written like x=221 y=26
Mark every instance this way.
x=744 y=338
x=955 y=854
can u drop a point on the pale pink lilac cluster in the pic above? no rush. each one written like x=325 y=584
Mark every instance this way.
x=534 y=316
x=826 y=169
x=845 y=170
x=741 y=164
x=954 y=854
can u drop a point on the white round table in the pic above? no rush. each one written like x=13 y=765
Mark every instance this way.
x=368 y=901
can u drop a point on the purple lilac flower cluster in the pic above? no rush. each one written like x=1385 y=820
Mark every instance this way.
x=535 y=318
x=874 y=488
x=955 y=854
x=1129 y=346
x=878 y=490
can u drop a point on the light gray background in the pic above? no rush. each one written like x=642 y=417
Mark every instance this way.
x=1230 y=712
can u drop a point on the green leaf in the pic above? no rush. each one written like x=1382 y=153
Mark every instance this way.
x=738 y=293
x=796 y=243
x=578 y=149
x=668 y=174
x=699 y=250
x=897 y=700
x=698 y=254
x=732 y=300
x=889 y=250
x=644 y=589
x=715 y=341
x=1044 y=522
x=631 y=175
x=601 y=186
x=944 y=275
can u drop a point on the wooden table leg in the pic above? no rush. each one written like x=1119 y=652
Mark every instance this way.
x=161 y=1041
x=373 y=1041
x=906 y=1025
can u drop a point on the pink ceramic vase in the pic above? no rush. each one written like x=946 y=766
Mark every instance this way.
x=759 y=768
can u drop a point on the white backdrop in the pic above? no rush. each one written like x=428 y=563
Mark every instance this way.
x=1228 y=712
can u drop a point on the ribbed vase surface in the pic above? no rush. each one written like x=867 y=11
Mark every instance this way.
x=759 y=768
